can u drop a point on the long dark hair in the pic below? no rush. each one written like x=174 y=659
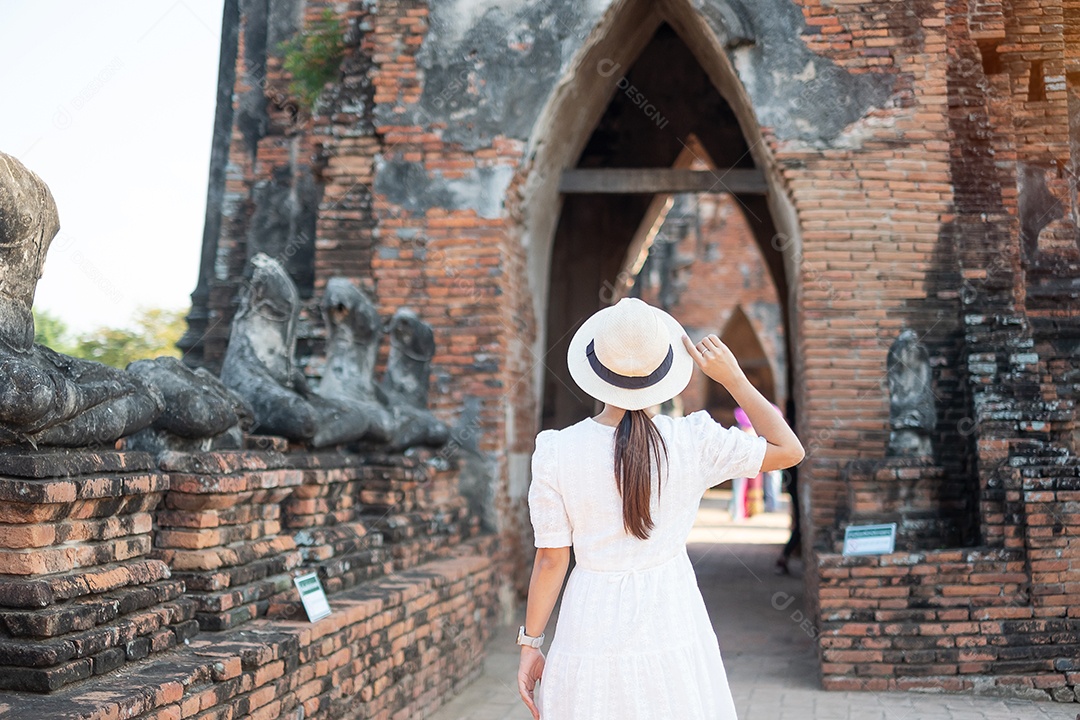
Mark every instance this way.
x=637 y=443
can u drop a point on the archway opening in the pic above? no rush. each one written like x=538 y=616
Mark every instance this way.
x=632 y=234
x=665 y=108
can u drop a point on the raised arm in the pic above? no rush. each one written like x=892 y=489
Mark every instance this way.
x=718 y=362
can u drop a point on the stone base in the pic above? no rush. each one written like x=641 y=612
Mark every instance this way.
x=220 y=532
x=78 y=597
x=392 y=648
x=930 y=509
x=944 y=620
x=359 y=517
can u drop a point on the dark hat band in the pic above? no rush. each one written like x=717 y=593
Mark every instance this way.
x=629 y=382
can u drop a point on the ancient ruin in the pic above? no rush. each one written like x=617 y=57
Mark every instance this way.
x=478 y=177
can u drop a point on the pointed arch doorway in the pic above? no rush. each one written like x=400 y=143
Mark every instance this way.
x=659 y=110
x=653 y=91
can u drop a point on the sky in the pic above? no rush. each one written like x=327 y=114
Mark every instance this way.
x=111 y=103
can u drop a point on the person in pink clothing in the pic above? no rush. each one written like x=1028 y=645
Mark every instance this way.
x=633 y=639
x=761 y=493
x=740 y=486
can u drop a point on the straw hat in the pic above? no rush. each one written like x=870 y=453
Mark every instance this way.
x=630 y=355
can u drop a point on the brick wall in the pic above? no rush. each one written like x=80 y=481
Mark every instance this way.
x=396 y=649
x=951 y=620
x=181 y=572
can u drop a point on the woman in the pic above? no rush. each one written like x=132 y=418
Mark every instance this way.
x=633 y=639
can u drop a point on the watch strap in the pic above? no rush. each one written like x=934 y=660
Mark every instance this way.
x=526 y=640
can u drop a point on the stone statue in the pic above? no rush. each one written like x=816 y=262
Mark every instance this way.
x=912 y=411
x=405 y=382
x=200 y=412
x=47 y=398
x=260 y=365
x=352 y=347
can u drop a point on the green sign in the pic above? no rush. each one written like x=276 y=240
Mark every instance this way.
x=312 y=596
x=870 y=539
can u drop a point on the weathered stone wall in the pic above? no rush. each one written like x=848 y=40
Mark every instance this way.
x=921 y=164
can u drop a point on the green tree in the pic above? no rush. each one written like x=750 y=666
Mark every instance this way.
x=51 y=331
x=155 y=332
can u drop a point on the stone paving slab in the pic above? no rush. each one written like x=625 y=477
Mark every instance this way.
x=766 y=640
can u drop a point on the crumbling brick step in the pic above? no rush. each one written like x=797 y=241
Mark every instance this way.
x=240 y=595
x=134 y=497
x=399 y=526
x=222 y=462
x=130 y=639
x=236 y=594
x=62 y=463
x=371 y=657
x=194 y=539
x=229 y=556
x=68 y=490
x=241 y=482
x=52 y=651
x=46 y=590
x=222 y=500
x=88 y=612
x=338 y=538
x=39 y=535
x=13 y=512
x=349 y=569
x=324 y=481
x=311 y=512
x=237 y=515
x=63 y=558
x=238 y=575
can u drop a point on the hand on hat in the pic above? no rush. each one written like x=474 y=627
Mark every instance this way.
x=715 y=359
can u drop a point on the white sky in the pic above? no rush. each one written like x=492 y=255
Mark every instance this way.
x=111 y=102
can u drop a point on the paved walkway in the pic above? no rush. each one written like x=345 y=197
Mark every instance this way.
x=769 y=654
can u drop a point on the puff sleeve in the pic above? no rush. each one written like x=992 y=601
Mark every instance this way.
x=723 y=452
x=547 y=511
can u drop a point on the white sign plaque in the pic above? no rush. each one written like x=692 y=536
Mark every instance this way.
x=312 y=596
x=870 y=539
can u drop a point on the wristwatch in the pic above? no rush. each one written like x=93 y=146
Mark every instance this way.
x=533 y=642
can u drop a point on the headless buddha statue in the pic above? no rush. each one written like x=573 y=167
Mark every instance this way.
x=47 y=398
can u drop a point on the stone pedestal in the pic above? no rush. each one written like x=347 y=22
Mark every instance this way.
x=359 y=517
x=220 y=532
x=930 y=509
x=416 y=508
x=324 y=514
x=78 y=593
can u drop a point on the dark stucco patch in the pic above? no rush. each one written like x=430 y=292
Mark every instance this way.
x=410 y=186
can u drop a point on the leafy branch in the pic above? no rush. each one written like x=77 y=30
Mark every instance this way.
x=313 y=56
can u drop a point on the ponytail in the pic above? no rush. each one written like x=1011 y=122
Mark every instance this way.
x=637 y=444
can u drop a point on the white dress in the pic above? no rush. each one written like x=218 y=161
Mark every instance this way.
x=633 y=640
